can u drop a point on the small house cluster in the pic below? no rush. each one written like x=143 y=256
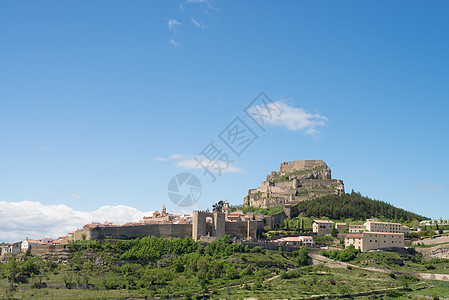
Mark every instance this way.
x=23 y=246
x=369 y=236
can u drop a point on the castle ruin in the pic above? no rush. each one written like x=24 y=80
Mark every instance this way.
x=296 y=181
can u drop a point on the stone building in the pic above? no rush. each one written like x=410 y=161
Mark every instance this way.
x=340 y=227
x=356 y=228
x=386 y=227
x=200 y=226
x=295 y=181
x=368 y=240
x=322 y=227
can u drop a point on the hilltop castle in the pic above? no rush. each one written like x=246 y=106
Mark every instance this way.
x=296 y=181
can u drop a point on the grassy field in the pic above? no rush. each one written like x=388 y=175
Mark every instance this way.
x=220 y=270
x=403 y=263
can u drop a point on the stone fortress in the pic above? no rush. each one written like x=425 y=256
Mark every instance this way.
x=202 y=225
x=296 y=181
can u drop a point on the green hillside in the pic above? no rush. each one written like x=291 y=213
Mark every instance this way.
x=355 y=206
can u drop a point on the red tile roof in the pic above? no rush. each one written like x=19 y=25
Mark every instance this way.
x=323 y=221
x=374 y=232
x=354 y=235
x=384 y=223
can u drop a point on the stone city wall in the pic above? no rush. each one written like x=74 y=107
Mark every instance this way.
x=131 y=232
x=244 y=230
x=300 y=165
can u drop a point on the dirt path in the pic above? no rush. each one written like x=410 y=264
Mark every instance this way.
x=338 y=264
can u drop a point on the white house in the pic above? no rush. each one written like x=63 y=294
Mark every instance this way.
x=27 y=243
x=307 y=240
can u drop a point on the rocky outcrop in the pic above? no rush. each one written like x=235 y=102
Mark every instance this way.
x=295 y=181
x=441 y=251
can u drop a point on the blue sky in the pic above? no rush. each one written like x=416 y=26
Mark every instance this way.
x=95 y=97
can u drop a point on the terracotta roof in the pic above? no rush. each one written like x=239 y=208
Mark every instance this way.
x=109 y=224
x=289 y=239
x=32 y=241
x=237 y=212
x=374 y=232
x=384 y=223
x=323 y=221
x=354 y=235
x=130 y=224
x=233 y=217
x=91 y=225
x=306 y=237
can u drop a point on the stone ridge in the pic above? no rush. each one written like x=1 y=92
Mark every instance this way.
x=296 y=181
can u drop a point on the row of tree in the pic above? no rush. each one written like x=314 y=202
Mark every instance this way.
x=355 y=206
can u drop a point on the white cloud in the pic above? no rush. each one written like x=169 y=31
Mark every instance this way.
x=188 y=162
x=37 y=220
x=172 y=24
x=293 y=118
x=196 y=1
x=174 y=43
x=434 y=188
x=213 y=166
x=187 y=2
x=198 y=24
x=77 y=197
x=161 y=158
x=176 y=156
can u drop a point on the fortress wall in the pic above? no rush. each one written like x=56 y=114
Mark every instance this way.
x=278 y=189
x=41 y=250
x=236 y=229
x=282 y=185
x=244 y=229
x=300 y=165
x=130 y=232
x=291 y=211
x=320 y=183
x=82 y=234
x=275 y=219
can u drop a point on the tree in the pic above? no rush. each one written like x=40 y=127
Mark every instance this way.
x=334 y=230
x=218 y=207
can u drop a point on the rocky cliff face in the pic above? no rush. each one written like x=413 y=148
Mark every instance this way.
x=295 y=181
x=441 y=251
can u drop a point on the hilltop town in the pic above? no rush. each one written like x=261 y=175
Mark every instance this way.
x=272 y=221
x=295 y=182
